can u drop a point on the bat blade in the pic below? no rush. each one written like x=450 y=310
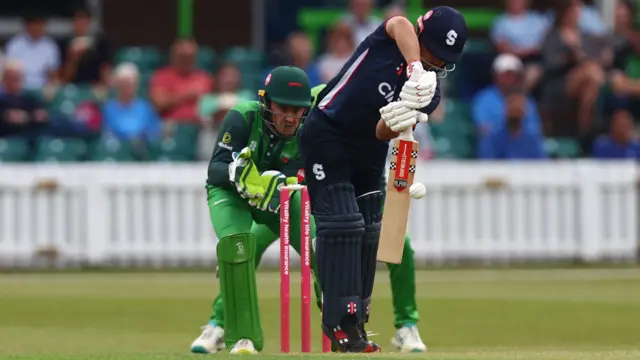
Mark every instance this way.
x=396 y=205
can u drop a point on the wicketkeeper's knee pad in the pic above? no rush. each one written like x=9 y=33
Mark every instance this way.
x=339 y=230
x=370 y=205
x=236 y=255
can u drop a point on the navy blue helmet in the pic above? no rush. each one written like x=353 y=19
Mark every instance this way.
x=443 y=33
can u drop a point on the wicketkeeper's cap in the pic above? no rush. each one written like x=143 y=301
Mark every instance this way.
x=288 y=85
x=444 y=33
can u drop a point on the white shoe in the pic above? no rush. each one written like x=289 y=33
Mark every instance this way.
x=243 y=347
x=408 y=340
x=210 y=341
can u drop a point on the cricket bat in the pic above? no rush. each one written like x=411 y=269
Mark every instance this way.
x=396 y=205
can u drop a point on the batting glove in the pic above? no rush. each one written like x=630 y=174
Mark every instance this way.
x=419 y=90
x=398 y=116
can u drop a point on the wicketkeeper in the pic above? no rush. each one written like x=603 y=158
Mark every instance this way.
x=257 y=151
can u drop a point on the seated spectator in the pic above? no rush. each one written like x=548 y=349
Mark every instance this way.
x=339 y=48
x=513 y=141
x=520 y=31
x=38 y=53
x=573 y=74
x=85 y=55
x=126 y=116
x=621 y=142
x=590 y=21
x=626 y=43
x=360 y=20
x=213 y=107
x=21 y=114
x=489 y=106
x=300 y=54
x=175 y=89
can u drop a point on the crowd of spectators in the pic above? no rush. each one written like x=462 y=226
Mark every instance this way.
x=558 y=73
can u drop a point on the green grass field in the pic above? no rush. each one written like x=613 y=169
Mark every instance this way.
x=466 y=315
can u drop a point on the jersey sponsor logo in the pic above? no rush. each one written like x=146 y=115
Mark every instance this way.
x=387 y=91
x=226 y=138
x=452 y=36
x=225 y=146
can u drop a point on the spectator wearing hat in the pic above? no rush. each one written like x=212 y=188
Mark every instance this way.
x=489 y=107
x=36 y=51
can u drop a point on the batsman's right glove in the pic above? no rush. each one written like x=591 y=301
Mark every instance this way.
x=398 y=117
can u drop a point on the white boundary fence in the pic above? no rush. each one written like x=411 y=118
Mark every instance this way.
x=156 y=214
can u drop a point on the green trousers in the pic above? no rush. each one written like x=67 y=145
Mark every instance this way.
x=265 y=227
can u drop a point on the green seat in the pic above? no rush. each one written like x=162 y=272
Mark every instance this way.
x=180 y=144
x=14 y=150
x=633 y=67
x=68 y=97
x=110 y=149
x=206 y=59
x=145 y=57
x=60 y=150
x=247 y=60
x=562 y=148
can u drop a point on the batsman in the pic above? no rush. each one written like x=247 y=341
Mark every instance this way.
x=378 y=94
x=403 y=287
x=255 y=155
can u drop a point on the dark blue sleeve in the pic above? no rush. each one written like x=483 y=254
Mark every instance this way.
x=434 y=102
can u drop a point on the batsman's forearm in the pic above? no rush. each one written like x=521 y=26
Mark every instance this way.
x=407 y=40
x=218 y=175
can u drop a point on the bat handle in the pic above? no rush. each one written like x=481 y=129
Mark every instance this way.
x=407 y=134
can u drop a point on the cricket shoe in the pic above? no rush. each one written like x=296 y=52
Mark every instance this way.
x=210 y=341
x=349 y=339
x=408 y=340
x=243 y=347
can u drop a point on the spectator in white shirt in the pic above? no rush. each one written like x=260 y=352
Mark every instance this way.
x=360 y=20
x=340 y=47
x=38 y=53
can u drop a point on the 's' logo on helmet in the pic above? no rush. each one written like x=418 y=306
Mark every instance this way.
x=266 y=82
x=452 y=35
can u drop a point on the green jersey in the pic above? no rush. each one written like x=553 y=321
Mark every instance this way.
x=244 y=127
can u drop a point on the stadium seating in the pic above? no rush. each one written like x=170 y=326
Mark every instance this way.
x=455 y=136
x=60 y=150
x=14 y=150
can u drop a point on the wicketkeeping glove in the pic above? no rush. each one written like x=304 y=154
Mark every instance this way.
x=398 y=116
x=271 y=181
x=244 y=174
x=419 y=90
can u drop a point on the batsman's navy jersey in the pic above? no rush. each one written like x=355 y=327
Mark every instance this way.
x=372 y=78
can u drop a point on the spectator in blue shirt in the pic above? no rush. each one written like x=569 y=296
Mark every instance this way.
x=621 y=142
x=489 y=105
x=513 y=141
x=521 y=31
x=126 y=116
